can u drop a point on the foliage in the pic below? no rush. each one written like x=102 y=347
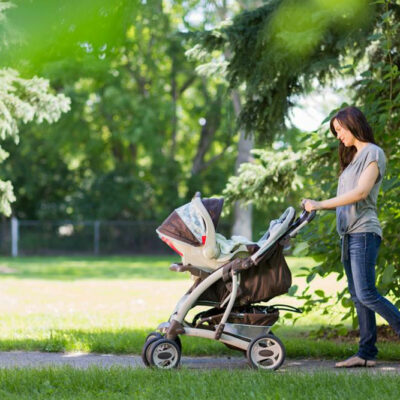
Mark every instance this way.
x=132 y=145
x=24 y=100
x=271 y=174
x=377 y=92
x=277 y=49
x=37 y=32
x=27 y=100
x=21 y=100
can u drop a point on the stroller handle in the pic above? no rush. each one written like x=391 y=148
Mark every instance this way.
x=308 y=216
x=305 y=218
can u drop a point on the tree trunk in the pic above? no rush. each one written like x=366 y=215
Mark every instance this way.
x=242 y=220
x=174 y=94
x=208 y=130
x=206 y=138
x=243 y=216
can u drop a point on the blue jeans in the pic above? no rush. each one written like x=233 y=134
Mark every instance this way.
x=360 y=270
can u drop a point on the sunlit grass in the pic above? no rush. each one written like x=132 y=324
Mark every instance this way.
x=109 y=305
x=117 y=267
x=72 y=268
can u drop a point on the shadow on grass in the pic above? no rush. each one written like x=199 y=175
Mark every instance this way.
x=130 y=341
x=72 y=268
x=122 y=341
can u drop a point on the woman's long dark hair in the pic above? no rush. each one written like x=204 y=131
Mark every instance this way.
x=354 y=120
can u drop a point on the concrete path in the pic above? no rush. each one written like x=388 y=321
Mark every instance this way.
x=82 y=360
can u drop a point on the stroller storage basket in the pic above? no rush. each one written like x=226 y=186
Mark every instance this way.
x=256 y=315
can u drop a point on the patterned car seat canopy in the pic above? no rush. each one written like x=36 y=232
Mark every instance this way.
x=186 y=223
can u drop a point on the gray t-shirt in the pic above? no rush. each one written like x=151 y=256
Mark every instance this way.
x=362 y=215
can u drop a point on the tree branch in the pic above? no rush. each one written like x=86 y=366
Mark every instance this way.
x=187 y=84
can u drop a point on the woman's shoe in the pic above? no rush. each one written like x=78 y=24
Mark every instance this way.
x=355 y=361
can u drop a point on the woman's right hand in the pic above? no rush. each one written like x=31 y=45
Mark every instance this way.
x=310 y=205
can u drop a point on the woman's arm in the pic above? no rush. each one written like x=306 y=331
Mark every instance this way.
x=365 y=184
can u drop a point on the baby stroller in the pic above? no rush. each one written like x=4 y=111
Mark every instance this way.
x=232 y=277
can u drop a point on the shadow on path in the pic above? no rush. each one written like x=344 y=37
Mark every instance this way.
x=82 y=360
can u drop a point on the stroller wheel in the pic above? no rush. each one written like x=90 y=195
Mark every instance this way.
x=266 y=352
x=153 y=335
x=177 y=340
x=151 y=338
x=157 y=335
x=164 y=354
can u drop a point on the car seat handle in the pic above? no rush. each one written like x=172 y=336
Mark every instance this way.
x=210 y=249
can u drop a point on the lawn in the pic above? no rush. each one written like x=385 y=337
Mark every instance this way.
x=127 y=383
x=110 y=304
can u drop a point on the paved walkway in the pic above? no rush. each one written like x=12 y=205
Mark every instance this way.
x=82 y=360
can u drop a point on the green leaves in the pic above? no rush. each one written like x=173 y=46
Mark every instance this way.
x=347 y=302
x=278 y=49
x=389 y=275
x=271 y=174
x=6 y=197
x=23 y=101
x=293 y=289
x=126 y=149
x=52 y=30
x=301 y=249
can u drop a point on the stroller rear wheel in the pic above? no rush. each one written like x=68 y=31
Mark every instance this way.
x=266 y=352
x=164 y=354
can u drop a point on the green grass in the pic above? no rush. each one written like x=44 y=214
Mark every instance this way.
x=117 y=267
x=127 y=383
x=108 y=305
x=72 y=268
x=125 y=341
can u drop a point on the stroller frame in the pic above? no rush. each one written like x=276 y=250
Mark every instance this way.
x=264 y=350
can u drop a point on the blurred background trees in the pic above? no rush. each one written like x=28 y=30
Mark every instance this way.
x=168 y=97
x=145 y=131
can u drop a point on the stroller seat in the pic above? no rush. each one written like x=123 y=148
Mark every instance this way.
x=191 y=231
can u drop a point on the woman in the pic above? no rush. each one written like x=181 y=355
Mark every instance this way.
x=362 y=167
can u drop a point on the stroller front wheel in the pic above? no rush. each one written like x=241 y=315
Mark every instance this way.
x=266 y=352
x=164 y=354
x=150 y=339
x=153 y=335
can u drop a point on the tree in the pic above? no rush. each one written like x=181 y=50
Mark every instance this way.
x=57 y=31
x=144 y=132
x=376 y=90
x=242 y=214
x=22 y=100
x=277 y=50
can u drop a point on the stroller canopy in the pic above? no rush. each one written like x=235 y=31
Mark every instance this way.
x=186 y=223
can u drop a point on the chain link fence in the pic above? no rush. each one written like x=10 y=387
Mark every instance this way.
x=24 y=237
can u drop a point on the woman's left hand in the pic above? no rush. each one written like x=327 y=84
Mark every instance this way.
x=310 y=205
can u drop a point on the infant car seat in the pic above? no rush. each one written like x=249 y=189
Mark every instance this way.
x=191 y=231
